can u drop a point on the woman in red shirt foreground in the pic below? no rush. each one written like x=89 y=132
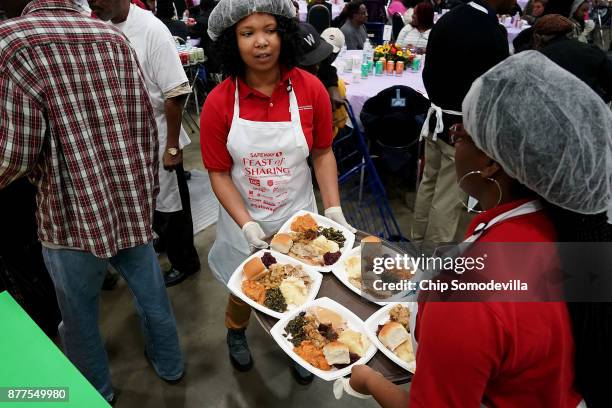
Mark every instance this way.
x=258 y=128
x=523 y=143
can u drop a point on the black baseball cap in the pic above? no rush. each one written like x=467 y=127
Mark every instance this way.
x=315 y=49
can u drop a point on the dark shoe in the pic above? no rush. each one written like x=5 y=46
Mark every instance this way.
x=239 y=353
x=110 y=281
x=174 y=277
x=171 y=382
x=300 y=374
x=187 y=175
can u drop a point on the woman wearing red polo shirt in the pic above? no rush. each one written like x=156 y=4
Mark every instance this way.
x=524 y=145
x=258 y=128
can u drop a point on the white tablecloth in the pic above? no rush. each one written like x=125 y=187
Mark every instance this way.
x=336 y=10
x=514 y=31
x=358 y=93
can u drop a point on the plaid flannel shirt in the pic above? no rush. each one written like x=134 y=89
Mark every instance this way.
x=75 y=116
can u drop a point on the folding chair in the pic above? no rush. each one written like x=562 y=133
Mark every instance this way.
x=319 y=17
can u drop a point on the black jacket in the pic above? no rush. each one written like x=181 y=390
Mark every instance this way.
x=463 y=44
x=587 y=62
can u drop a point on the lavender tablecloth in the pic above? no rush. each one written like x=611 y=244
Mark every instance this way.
x=358 y=93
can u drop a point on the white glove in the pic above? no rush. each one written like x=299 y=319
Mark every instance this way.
x=254 y=235
x=335 y=214
x=589 y=25
x=342 y=385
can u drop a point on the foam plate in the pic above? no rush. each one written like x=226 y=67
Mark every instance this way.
x=235 y=283
x=382 y=317
x=326 y=223
x=339 y=271
x=353 y=322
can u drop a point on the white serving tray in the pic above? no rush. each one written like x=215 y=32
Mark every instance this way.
x=353 y=322
x=326 y=223
x=235 y=283
x=381 y=317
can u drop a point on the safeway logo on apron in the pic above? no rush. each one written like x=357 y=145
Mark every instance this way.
x=269 y=179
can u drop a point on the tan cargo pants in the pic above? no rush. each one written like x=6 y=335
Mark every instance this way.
x=438 y=207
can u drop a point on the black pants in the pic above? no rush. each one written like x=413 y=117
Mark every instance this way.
x=175 y=231
x=22 y=269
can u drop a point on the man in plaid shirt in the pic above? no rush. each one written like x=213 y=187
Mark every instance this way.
x=75 y=116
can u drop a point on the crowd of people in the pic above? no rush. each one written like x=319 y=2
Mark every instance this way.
x=91 y=115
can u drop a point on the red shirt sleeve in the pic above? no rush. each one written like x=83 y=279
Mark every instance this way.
x=460 y=346
x=214 y=129
x=322 y=132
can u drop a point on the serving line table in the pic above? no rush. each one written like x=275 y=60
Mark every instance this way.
x=332 y=288
x=303 y=13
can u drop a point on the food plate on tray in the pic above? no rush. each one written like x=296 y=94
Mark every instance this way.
x=389 y=330
x=274 y=283
x=325 y=338
x=315 y=241
x=348 y=271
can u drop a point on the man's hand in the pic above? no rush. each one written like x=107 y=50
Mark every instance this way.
x=170 y=161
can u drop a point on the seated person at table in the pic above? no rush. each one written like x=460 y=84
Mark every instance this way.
x=317 y=54
x=579 y=14
x=328 y=74
x=588 y=62
x=536 y=11
x=165 y=12
x=513 y=160
x=416 y=33
x=353 y=29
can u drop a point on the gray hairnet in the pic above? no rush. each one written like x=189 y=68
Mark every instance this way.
x=228 y=12
x=546 y=128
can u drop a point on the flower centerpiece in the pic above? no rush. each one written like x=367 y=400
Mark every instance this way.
x=390 y=52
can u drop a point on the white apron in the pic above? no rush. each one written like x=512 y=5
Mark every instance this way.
x=169 y=198
x=271 y=173
x=433 y=109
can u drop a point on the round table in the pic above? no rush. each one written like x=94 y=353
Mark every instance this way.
x=303 y=13
x=357 y=93
x=332 y=288
x=514 y=31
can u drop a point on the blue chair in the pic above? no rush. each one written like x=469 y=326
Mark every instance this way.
x=363 y=196
x=375 y=32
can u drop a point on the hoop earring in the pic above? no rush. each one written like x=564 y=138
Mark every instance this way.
x=488 y=178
